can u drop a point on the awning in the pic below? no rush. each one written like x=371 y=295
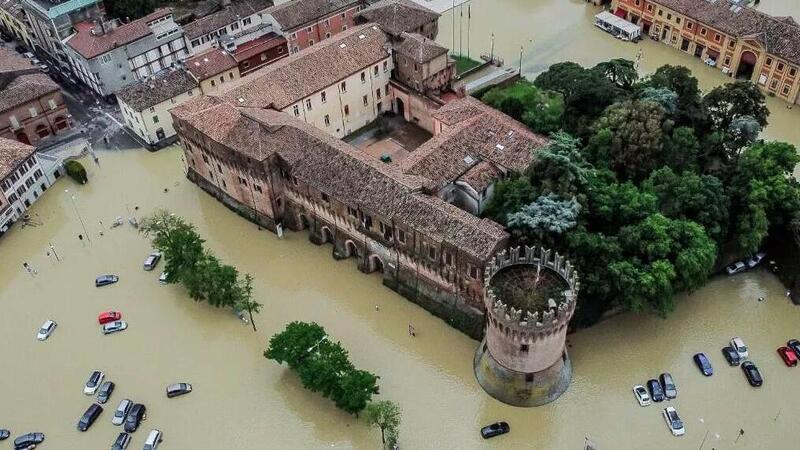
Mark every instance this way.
x=621 y=13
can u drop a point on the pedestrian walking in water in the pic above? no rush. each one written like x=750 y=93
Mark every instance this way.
x=30 y=269
x=411 y=331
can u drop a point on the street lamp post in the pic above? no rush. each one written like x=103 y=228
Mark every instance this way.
x=75 y=207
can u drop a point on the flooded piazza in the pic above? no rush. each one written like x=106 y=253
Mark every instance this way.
x=241 y=400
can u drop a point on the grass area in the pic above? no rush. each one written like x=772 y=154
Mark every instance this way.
x=463 y=63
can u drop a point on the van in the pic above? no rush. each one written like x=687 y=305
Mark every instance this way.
x=152 y=441
x=89 y=417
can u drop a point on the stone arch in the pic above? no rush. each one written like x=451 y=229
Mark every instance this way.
x=60 y=123
x=42 y=130
x=350 y=249
x=374 y=263
x=747 y=64
x=304 y=222
x=327 y=235
x=23 y=137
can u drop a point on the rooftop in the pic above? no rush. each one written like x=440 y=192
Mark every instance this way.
x=397 y=16
x=256 y=46
x=295 y=13
x=89 y=40
x=419 y=48
x=210 y=63
x=157 y=89
x=239 y=9
x=525 y=288
x=295 y=77
x=53 y=9
x=779 y=35
x=12 y=153
x=13 y=7
x=20 y=82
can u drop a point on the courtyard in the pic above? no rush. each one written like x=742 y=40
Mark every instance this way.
x=390 y=138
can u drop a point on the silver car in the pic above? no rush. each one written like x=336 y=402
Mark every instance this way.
x=113 y=327
x=122 y=411
x=152 y=261
x=46 y=330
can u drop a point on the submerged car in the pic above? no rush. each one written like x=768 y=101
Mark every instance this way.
x=27 y=440
x=735 y=268
x=495 y=429
x=788 y=356
x=674 y=422
x=114 y=327
x=731 y=355
x=89 y=417
x=756 y=259
x=122 y=441
x=93 y=383
x=163 y=277
x=152 y=261
x=174 y=390
x=752 y=374
x=4 y=434
x=105 y=280
x=641 y=395
x=670 y=391
x=656 y=392
x=109 y=316
x=104 y=393
x=46 y=330
x=794 y=344
x=122 y=411
x=738 y=344
x=135 y=417
x=703 y=363
x=153 y=439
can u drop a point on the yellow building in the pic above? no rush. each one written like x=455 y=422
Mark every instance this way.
x=14 y=22
x=212 y=69
x=740 y=41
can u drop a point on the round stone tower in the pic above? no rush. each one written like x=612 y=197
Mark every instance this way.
x=530 y=297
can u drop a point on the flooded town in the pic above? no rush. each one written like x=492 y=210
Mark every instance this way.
x=357 y=180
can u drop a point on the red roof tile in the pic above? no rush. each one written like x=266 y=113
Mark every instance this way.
x=89 y=45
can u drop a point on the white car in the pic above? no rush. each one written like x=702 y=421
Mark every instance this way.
x=641 y=395
x=113 y=327
x=153 y=439
x=673 y=421
x=756 y=259
x=735 y=268
x=46 y=330
x=738 y=344
x=163 y=277
x=94 y=382
x=122 y=411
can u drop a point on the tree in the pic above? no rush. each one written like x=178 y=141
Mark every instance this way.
x=509 y=196
x=737 y=99
x=177 y=240
x=291 y=346
x=611 y=205
x=679 y=79
x=744 y=130
x=619 y=71
x=666 y=97
x=681 y=150
x=244 y=299
x=561 y=77
x=356 y=389
x=76 y=171
x=322 y=368
x=545 y=217
x=540 y=110
x=513 y=107
x=127 y=10
x=384 y=415
x=637 y=137
x=560 y=167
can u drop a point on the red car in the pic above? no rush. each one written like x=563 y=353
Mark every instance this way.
x=109 y=316
x=788 y=356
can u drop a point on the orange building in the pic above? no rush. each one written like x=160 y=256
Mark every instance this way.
x=742 y=42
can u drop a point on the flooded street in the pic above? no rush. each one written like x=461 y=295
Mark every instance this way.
x=243 y=401
x=552 y=31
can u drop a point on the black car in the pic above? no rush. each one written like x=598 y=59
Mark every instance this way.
x=104 y=393
x=704 y=364
x=105 y=280
x=670 y=391
x=174 y=390
x=656 y=392
x=794 y=344
x=752 y=374
x=122 y=442
x=135 y=417
x=89 y=417
x=4 y=434
x=731 y=355
x=495 y=429
x=26 y=440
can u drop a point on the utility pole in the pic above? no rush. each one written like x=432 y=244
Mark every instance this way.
x=469 y=16
x=75 y=207
x=491 y=55
x=460 y=30
x=53 y=249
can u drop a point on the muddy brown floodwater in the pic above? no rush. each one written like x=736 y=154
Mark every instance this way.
x=244 y=401
x=552 y=31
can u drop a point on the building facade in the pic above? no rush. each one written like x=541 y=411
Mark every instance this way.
x=212 y=68
x=52 y=21
x=22 y=181
x=742 y=42
x=14 y=22
x=236 y=23
x=31 y=104
x=422 y=64
x=145 y=105
x=307 y=22
x=259 y=52
x=108 y=56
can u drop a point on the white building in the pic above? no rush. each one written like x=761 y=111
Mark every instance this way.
x=145 y=105
x=234 y=24
x=22 y=181
x=339 y=85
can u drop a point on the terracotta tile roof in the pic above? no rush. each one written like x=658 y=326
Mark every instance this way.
x=213 y=22
x=12 y=153
x=419 y=48
x=256 y=46
x=210 y=63
x=160 y=88
x=296 y=13
x=90 y=46
x=295 y=77
x=397 y=16
x=20 y=82
x=475 y=133
x=481 y=175
x=778 y=35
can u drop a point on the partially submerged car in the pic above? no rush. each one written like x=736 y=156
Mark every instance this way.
x=641 y=395
x=27 y=441
x=735 y=268
x=674 y=422
x=174 y=390
x=495 y=429
x=46 y=330
x=105 y=280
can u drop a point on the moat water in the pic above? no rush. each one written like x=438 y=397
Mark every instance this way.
x=244 y=401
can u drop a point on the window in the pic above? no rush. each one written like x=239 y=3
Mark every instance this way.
x=309 y=30
x=780 y=67
x=416 y=67
x=205 y=158
x=235 y=26
x=310 y=42
x=325 y=198
x=678 y=20
x=363 y=77
x=33 y=111
x=343 y=86
x=529 y=378
x=660 y=12
x=296 y=109
x=386 y=66
x=322 y=97
x=473 y=272
x=344 y=27
x=703 y=31
x=727 y=60
x=230 y=76
x=295 y=49
x=219 y=168
x=242 y=181
x=524 y=348
x=327 y=35
x=401 y=236
x=786 y=88
x=213 y=83
x=247 y=21
x=222 y=79
x=346 y=110
x=327 y=119
x=293 y=36
x=768 y=62
x=52 y=104
x=717 y=38
x=257 y=188
x=246 y=65
x=105 y=59
x=792 y=72
x=432 y=252
x=375 y=70
x=366 y=100
x=343 y=16
x=650 y=7
x=774 y=84
x=669 y=16
x=352 y=211
x=378 y=93
x=155 y=119
x=638 y=2
x=327 y=22
x=308 y=104
x=448 y=258
x=386 y=90
x=689 y=25
x=195 y=42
